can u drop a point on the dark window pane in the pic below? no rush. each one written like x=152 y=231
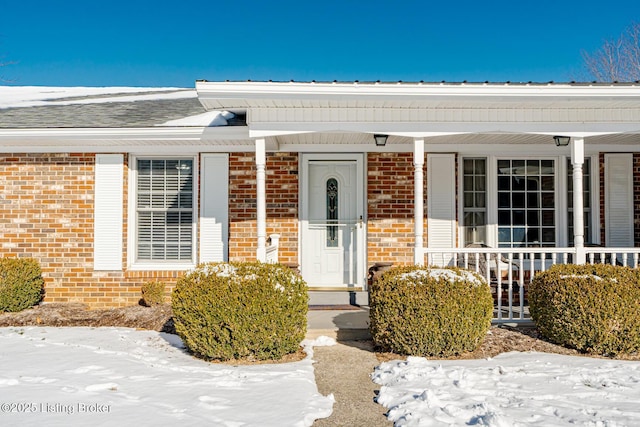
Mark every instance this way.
x=533 y=217
x=518 y=183
x=547 y=183
x=548 y=218
x=504 y=217
x=533 y=183
x=517 y=200
x=533 y=200
x=533 y=166
x=548 y=235
x=547 y=167
x=547 y=200
x=504 y=200
x=468 y=199
x=518 y=218
x=504 y=183
x=467 y=166
x=468 y=183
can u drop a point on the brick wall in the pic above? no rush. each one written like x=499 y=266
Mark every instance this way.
x=46 y=212
x=390 y=201
x=281 y=204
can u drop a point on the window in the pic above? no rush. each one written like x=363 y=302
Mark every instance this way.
x=475 y=200
x=526 y=203
x=524 y=209
x=586 y=191
x=164 y=208
x=332 y=213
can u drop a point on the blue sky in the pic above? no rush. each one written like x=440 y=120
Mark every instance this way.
x=174 y=43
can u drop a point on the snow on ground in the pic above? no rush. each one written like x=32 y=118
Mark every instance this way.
x=513 y=389
x=33 y=96
x=120 y=376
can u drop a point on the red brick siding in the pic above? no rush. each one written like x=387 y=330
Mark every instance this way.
x=390 y=207
x=46 y=212
x=281 y=204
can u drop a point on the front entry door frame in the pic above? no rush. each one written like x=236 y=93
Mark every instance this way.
x=360 y=255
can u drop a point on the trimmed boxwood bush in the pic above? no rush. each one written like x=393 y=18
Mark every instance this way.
x=425 y=311
x=21 y=283
x=592 y=308
x=241 y=310
x=152 y=293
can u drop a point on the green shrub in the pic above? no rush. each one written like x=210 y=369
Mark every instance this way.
x=241 y=310
x=21 y=283
x=592 y=308
x=152 y=293
x=424 y=311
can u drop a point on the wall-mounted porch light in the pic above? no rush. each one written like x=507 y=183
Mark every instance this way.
x=381 y=140
x=562 y=141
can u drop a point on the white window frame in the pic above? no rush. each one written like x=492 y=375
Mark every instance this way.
x=561 y=205
x=132 y=231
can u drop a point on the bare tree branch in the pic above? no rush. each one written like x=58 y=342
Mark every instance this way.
x=616 y=60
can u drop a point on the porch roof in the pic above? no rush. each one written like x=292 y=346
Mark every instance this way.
x=445 y=113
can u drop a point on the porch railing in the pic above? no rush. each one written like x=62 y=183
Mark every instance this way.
x=510 y=270
x=273 y=249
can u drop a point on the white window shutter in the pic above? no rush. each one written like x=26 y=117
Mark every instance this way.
x=441 y=203
x=108 y=215
x=214 y=207
x=618 y=200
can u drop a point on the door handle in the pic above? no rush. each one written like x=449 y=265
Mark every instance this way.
x=360 y=222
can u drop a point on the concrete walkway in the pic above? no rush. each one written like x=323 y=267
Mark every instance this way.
x=344 y=369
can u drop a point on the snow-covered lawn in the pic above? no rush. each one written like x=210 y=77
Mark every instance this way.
x=124 y=377
x=513 y=389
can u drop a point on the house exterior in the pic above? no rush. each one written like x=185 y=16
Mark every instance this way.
x=108 y=193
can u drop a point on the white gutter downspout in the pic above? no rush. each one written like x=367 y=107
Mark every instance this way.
x=418 y=180
x=261 y=210
x=577 y=160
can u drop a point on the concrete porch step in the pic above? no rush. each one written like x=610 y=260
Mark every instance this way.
x=341 y=297
x=342 y=325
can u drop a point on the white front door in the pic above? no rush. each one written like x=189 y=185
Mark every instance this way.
x=332 y=221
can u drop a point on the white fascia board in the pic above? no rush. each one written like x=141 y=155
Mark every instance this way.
x=261 y=133
x=226 y=133
x=418 y=129
x=97 y=134
x=234 y=91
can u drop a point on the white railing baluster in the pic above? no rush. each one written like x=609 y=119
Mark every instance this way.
x=539 y=260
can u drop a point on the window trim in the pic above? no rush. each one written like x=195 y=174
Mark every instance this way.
x=132 y=223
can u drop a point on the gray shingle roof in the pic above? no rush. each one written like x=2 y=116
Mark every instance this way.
x=131 y=114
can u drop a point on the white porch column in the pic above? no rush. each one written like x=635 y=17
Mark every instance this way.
x=418 y=203
x=577 y=160
x=261 y=196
